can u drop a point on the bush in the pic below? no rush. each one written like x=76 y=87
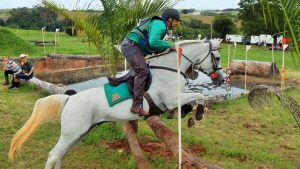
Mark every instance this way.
x=2 y=22
x=71 y=32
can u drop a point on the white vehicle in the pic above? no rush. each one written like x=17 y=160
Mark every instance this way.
x=265 y=39
x=254 y=40
x=234 y=38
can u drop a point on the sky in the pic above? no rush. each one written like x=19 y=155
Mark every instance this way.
x=70 y=4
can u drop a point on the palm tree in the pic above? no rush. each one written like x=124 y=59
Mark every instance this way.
x=107 y=28
x=290 y=9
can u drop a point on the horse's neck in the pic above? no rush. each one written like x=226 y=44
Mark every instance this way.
x=192 y=51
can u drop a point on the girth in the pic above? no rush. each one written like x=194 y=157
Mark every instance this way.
x=153 y=109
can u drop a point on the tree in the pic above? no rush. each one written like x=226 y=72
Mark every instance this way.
x=252 y=16
x=20 y=17
x=2 y=22
x=223 y=25
x=35 y=18
x=289 y=12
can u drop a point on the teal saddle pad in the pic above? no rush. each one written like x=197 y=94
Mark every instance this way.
x=116 y=94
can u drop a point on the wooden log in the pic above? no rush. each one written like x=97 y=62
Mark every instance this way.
x=254 y=68
x=51 y=88
x=171 y=141
x=135 y=148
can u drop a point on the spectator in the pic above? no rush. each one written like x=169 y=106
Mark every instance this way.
x=10 y=67
x=26 y=73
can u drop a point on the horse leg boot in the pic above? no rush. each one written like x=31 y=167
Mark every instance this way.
x=141 y=74
x=199 y=112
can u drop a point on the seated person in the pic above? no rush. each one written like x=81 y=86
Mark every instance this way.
x=25 y=73
x=8 y=68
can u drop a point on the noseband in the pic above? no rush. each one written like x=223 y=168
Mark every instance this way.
x=213 y=60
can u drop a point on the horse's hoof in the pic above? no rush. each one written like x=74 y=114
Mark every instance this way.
x=191 y=122
x=200 y=112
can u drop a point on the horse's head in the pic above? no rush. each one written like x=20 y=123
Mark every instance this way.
x=210 y=64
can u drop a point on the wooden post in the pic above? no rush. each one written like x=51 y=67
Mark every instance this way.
x=283 y=67
x=43 y=36
x=235 y=44
x=179 y=53
x=135 y=148
x=228 y=56
x=247 y=49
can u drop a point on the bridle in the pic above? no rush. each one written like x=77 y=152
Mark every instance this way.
x=214 y=61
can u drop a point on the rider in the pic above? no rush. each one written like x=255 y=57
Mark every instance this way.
x=146 y=38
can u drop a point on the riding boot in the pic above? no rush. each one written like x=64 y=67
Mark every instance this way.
x=141 y=72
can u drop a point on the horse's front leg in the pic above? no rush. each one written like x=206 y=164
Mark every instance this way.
x=189 y=100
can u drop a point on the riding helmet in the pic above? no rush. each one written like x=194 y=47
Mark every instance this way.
x=171 y=13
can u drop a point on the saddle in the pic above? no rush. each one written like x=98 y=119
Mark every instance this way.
x=129 y=79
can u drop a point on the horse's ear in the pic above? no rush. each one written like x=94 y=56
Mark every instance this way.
x=218 y=42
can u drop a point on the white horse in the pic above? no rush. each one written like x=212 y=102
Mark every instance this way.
x=78 y=113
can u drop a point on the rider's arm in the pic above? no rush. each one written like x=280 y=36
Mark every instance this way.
x=156 y=29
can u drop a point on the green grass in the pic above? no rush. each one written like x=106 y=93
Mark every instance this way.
x=230 y=131
x=12 y=45
x=67 y=44
x=292 y=62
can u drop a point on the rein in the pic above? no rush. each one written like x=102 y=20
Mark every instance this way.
x=196 y=65
x=169 y=69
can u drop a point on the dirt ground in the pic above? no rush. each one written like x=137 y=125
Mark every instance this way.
x=154 y=148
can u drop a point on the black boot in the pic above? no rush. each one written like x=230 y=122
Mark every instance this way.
x=137 y=108
x=17 y=84
x=12 y=85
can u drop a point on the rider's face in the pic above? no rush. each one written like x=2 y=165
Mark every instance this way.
x=172 y=23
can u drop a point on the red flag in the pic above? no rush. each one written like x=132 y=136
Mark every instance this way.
x=179 y=54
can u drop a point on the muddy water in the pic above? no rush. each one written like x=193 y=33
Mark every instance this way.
x=202 y=84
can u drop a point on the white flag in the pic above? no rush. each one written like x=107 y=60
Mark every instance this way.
x=234 y=43
x=248 y=47
x=43 y=28
x=285 y=46
x=56 y=30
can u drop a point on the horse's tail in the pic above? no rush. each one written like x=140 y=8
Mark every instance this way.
x=45 y=109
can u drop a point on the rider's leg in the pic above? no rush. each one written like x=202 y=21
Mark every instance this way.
x=141 y=74
x=135 y=57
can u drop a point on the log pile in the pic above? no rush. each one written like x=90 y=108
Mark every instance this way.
x=254 y=68
x=43 y=43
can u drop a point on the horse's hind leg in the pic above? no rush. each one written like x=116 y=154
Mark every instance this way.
x=64 y=144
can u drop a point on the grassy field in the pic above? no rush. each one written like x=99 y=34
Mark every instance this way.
x=205 y=19
x=292 y=63
x=66 y=45
x=232 y=135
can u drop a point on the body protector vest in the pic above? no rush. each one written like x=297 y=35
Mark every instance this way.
x=142 y=30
